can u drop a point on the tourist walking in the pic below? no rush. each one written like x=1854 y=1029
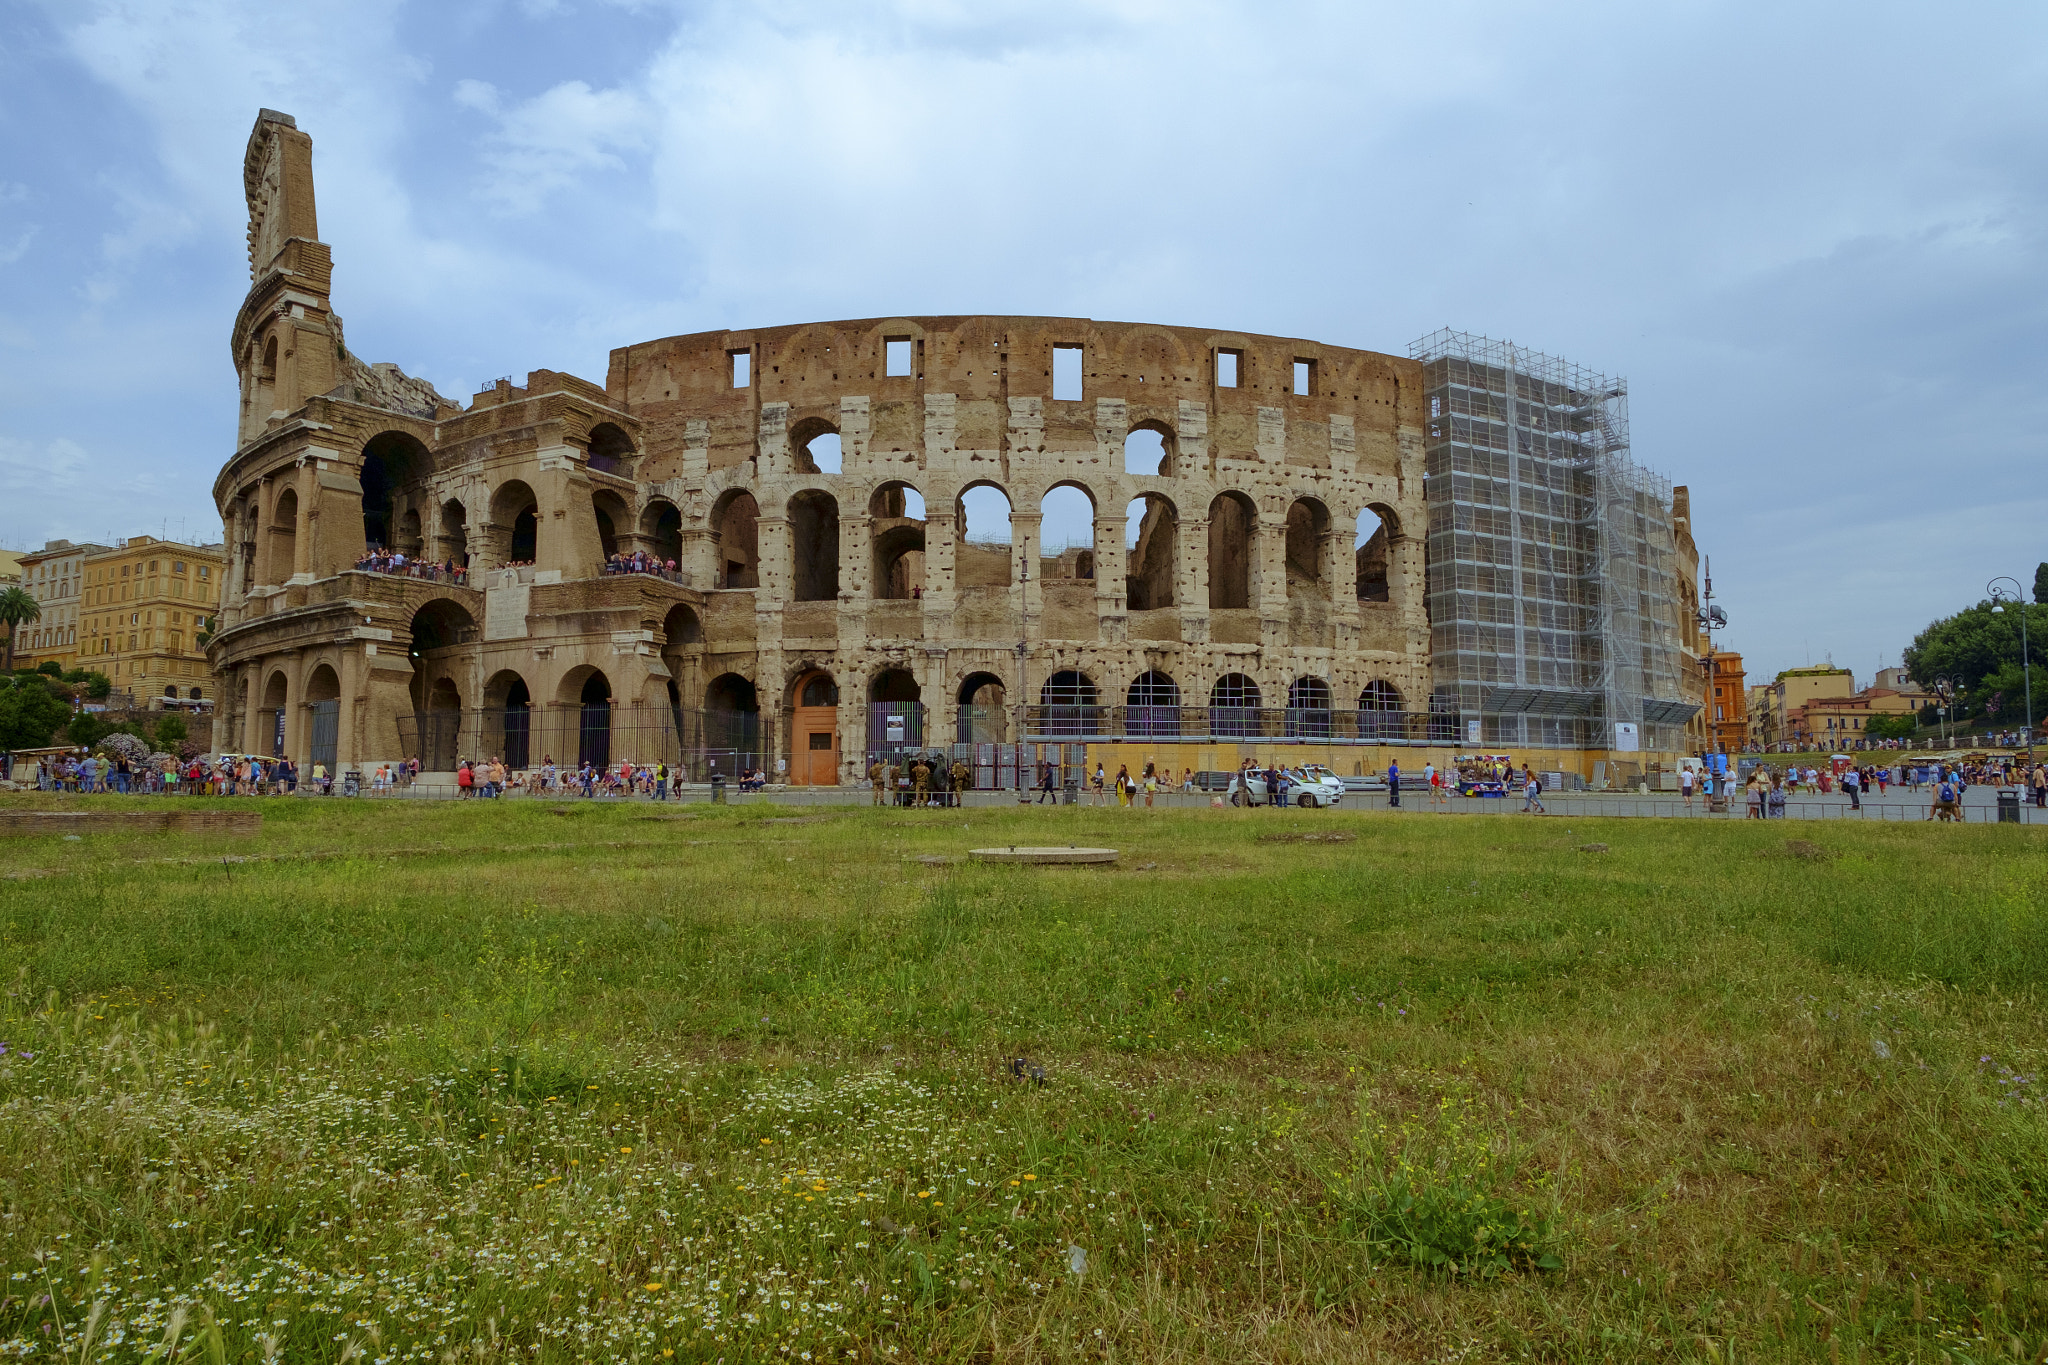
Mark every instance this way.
x=1532 y=793
x=1394 y=786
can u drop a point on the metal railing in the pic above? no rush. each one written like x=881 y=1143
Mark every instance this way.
x=699 y=743
x=1305 y=724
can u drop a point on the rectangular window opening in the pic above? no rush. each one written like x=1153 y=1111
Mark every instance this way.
x=1226 y=369
x=1304 y=378
x=896 y=358
x=1066 y=372
x=742 y=368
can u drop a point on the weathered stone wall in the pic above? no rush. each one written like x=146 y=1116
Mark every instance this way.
x=703 y=451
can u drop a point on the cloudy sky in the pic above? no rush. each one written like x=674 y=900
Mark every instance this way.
x=1810 y=236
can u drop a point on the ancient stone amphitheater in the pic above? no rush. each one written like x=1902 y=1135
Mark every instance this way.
x=792 y=547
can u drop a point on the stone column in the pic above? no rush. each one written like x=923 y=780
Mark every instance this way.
x=1024 y=566
x=1191 y=579
x=1269 y=578
x=1112 y=574
x=776 y=571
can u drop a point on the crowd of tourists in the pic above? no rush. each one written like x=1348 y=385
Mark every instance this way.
x=639 y=561
x=226 y=775
x=402 y=565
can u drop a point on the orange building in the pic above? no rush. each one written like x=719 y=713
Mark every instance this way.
x=1727 y=706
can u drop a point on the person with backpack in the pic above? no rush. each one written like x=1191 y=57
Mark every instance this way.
x=1532 y=793
x=1946 y=796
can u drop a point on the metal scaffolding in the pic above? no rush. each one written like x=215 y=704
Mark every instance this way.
x=1552 y=601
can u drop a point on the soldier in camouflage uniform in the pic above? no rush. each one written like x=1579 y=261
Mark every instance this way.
x=921 y=775
x=878 y=774
x=963 y=777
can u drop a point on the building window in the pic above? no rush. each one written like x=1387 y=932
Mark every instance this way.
x=1227 y=366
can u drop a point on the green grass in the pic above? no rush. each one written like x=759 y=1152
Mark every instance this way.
x=565 y=1082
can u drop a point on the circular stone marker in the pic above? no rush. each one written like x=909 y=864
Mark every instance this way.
x=1018 y=853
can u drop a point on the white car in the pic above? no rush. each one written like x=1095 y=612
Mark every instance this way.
x=1310 y=786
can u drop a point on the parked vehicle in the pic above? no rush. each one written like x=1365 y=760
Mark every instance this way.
x=1310 y=786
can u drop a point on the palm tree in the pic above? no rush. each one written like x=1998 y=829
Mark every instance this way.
x=17 y=609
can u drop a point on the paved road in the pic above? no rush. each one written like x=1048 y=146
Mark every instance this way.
x=1980 y=804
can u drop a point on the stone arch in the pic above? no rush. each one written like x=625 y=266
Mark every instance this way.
x=1308 y=527
x=981 y=557
x=682 y=627
x=813 y=704
x=587 y=693
x=1379 y=711
x=612 y=518
x=1234 y=703
x=1066 y=530
x=1233 y=545
x=894 y=683
x=508 y=719
x=395 y=464
x=983 y=714
x=1308 y=707
x=611 y=450
x=1149 y=449
x=896 y=540
x=1151 y=538
x=1152 y=704
x=454 y=535
x=516 y=512
x=1378 y=528
x=814 y=447
x=661 y=531
x=283 y=536
x=323 y=684
x=1069 y=704
x=736 y=522
x=814 y=546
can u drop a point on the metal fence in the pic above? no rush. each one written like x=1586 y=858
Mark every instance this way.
x=1308 y=724
x=700 y=743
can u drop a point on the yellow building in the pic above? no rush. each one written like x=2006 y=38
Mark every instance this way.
x=53 y=575
x=145 y=604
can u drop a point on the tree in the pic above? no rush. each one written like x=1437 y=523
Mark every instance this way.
x=169 y=731
x=87 y=729
x=2041 y=583
x=97 y=685
x=30 y=712
x=1890 y=727
x=1975 y=643
x=17 y=609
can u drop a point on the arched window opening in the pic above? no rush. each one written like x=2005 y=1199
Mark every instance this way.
x=1233 y=523
x=392 y=462
x=514 y=508
x=896 y=534
x=1146 y=451
x=284 y=536
x=894 y=684
x=814 y=731
x=1151 y=535
x=1308 y=708
x=1234 y=706
x=661 y=527
x=738 y=523
x=680 y=628
x=1372 y=543
x=1152 y=705
x=508 y=719
x=983 y=716
x=817 y=447
x=454 y=547
x=982 y=554
x=814 y=545
x=1308 y=525
x=611 y=513
x=818 y=689
x=594 y=717
x=611 y=450
x=437 y=704
x=1379 y=711
x=1068 y=705
x=1066 y=534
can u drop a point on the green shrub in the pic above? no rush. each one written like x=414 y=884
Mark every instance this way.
x=1440 y=1190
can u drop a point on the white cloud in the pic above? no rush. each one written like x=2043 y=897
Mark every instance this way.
x=552 y=141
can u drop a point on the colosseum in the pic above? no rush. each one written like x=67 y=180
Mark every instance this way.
x=793 y=548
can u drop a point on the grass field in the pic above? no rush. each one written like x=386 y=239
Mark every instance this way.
x=549 y=1083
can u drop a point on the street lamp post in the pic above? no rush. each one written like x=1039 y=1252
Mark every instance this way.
x=1944 y=688
x=2000 y=595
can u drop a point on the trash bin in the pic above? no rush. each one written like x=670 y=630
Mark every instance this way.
x=2008 y=805
x=718 y=789
x=352 y=783
x=1073 y=793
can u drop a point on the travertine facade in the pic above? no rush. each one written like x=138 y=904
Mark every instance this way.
x=805 y=593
